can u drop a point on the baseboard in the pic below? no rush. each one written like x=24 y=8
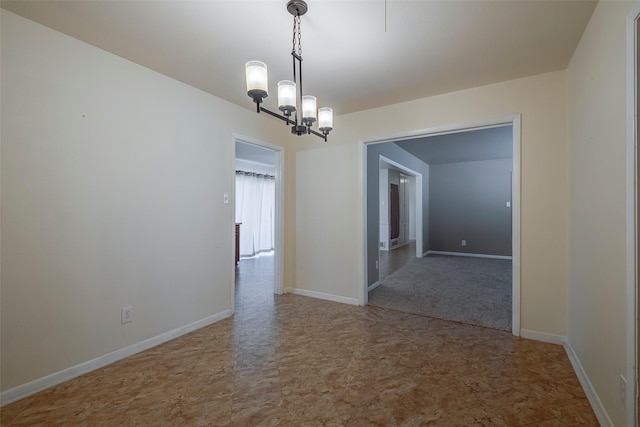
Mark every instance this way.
x=373 y=286
x=322 y=295
x=592 y=396
x=32 y=387
x=468 y=255
x=589 y=391
x=543 y=336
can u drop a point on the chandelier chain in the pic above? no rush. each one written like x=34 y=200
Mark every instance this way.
x=297 y=34
x=295 y=31
x=299 y=38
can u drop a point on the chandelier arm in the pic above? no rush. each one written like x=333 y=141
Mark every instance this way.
x=311 y=131
x=278 y=116
x=291 y=122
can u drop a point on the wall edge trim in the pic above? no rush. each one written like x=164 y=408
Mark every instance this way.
x=469 y=255
x=542 y=336
x=589 y=390
x=585 y=383
x=373 y=286
x=322 y=295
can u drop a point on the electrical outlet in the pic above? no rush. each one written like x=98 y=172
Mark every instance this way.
x=623 y=389
x=464 y=243
x=126 y=314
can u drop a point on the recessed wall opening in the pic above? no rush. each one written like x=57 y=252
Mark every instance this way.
x=466 y=212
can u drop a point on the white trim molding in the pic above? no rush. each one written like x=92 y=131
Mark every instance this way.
x=322 y=295
x=632 y=215
x=542 y=336
x=587 y=387
x=589 y=390
x=373 y=286
x=32 y=387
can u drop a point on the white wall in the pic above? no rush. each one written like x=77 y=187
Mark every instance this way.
x=597 y=95
x=112 y=195
x=329 y=185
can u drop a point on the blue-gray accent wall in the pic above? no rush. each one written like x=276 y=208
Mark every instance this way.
x=468 y=201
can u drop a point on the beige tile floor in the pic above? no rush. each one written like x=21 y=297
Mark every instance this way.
x=295 y=361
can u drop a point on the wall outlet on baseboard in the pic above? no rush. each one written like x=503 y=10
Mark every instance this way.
x=126 y=315
x=464 y=243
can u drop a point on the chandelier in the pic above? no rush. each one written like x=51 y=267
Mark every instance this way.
x=290 y=94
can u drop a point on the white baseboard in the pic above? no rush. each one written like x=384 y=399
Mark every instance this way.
x=543 y=336
x=592 y=396
x=589 y=391
x=321 y=295
x=32 y=387
x=468 y=255
x=373 y=286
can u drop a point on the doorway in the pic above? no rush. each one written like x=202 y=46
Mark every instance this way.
x=258 y=213
x=398 y=200
x=512 y=203
x=397 y=206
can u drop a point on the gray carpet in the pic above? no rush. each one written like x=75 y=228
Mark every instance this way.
x=476 y=291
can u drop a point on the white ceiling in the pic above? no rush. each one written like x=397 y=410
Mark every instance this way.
x=357 y=54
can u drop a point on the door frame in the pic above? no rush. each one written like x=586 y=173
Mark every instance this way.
x=278 y=258
x=632 y=217
x=418 y=209
x=515 y=122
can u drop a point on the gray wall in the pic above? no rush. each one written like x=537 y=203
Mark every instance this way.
x=468 y=201
x=395 y=153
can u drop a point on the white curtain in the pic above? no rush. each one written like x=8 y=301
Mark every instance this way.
x=255 y=208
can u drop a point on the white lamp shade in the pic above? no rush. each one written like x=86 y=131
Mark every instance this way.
x=287 y=95
x=257 y=81
x=309 y=108
x=325 y=118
